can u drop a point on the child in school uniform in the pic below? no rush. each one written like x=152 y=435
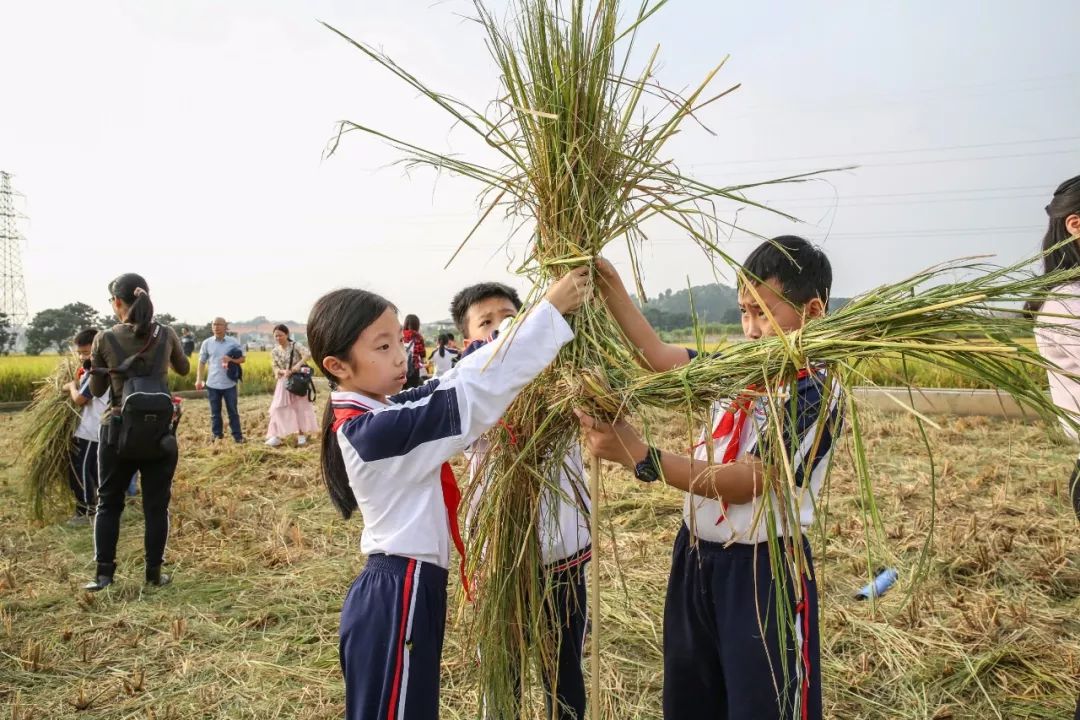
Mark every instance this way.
x=386 y=453
x=444 y=356
x=725 y=652
x=565 y=544
x=83 y=469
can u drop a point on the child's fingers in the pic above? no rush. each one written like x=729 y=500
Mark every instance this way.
x=586 y=421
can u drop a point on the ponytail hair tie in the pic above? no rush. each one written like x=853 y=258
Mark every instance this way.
x=139 y=291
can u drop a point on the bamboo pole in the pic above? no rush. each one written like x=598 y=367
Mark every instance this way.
x=594 y=597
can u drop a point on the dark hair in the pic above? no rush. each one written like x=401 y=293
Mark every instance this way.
x=411 y=323
x=459 y=306
x=85 y=337
x=442 y=340
x=335 y=322
x=1066 y=202
x=140 y=309
x=802 y=270
x=283 y=328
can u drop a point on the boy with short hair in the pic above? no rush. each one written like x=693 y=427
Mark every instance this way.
x=721 y=591
x=83 y=467
x=565 y=544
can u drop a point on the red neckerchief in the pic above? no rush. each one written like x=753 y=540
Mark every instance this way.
x=732 y=422
x=450 y=490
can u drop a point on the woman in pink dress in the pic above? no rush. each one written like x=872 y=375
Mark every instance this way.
x=290 y=414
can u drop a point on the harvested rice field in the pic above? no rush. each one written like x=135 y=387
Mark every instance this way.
x=261 y=562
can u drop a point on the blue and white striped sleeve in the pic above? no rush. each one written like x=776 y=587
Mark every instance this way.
x=85 y=389
x=428 y=426
x=811 y=418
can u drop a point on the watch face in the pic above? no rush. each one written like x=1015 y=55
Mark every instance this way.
x=646 y=471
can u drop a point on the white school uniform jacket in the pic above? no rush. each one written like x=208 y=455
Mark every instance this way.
x=443 y=363
x=394 y=452
x=745 y=523
x=564 y=514
x=90 y=417
x=1060 y=343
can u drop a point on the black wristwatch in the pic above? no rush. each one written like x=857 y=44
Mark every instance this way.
x=648 y=470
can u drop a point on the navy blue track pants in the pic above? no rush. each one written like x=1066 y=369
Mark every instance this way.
x=726 y=656
x=392 y=626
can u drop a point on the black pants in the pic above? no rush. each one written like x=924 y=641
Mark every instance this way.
x=83 y=475
x=726 y=653
x=567 y=610
x=115 y=476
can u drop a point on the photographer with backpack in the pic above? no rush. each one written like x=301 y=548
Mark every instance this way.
x=132 y=361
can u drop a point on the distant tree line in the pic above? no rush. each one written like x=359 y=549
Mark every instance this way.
x=53 y=329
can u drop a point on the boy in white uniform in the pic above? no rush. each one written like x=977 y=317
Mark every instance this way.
x=83 y=470
x=565 y=543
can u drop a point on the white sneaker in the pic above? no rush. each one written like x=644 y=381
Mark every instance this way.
x=301 y=440
x=273 y=442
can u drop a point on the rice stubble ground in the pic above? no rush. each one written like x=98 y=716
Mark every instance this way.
x=248 y=629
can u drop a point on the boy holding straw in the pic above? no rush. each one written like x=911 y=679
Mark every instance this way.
x=83 y=468
x=480 y=311
x=741 y=618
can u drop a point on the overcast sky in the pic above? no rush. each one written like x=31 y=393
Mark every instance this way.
x=184 y=141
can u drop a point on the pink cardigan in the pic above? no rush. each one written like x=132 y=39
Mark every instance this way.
x=1062 y=347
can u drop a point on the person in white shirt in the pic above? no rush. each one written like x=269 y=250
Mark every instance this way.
x=385 y=453
x=83 y=468
x=563 y=527
x=444 y=357
x=1058 y=336
x=724 y=655
x=216 y=356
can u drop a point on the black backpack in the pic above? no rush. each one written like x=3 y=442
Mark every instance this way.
x=144 y=428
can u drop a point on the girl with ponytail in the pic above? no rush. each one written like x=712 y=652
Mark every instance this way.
x=1059 y=335
x=1062 y=346
x=135 y=333
x=444 y=356
x=385 y=453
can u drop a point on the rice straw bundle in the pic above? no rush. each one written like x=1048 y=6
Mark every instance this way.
x=581 y=144
x=583 y=162
x=971 y=327
x=48 y=425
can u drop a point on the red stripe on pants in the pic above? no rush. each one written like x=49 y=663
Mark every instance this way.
x=805 y=650
x=406 y=600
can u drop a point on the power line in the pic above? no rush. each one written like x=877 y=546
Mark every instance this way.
x=1045 y=188
x=971 y=159
x=898 y=151
x=787 y=172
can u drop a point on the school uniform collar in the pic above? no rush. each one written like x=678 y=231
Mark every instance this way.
x=358 y=400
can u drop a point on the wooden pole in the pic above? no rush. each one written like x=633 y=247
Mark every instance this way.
x=594 y=610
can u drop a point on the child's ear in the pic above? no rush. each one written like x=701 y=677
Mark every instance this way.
x=336 y=368
x=1072 y=225
x=814 y=309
